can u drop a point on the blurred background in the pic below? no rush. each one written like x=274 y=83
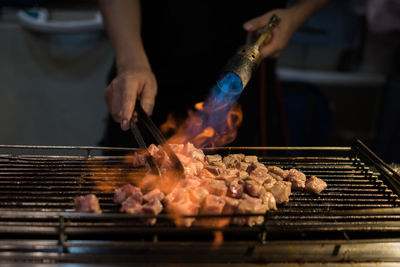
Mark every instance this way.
x=338 y=78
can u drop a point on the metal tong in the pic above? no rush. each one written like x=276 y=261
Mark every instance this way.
x=160 y=139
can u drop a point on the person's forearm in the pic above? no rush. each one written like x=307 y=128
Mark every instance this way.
x=123 y=24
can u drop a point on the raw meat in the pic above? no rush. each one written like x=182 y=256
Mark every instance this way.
x=87 y=203
x=126 y=191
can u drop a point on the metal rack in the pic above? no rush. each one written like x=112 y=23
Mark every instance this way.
x=358 y=212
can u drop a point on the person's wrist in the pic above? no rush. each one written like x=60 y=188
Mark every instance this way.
x=134 y=65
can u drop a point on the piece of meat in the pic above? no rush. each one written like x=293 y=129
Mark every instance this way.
x=217 y=187
x=182 y=208
x=213 y=158
x=218 y=164
x=254 y=165
x=229 y=174
x=233 y=160
x=126 y=191
x=315 y=185
x=213 y=205
x=190 y=181
x=243 y=175
x=131 y=205
x=139 y=159
x=269 y=183
x=154 y=194
x=250 y=159
x=260 y=174
x=191 y=151
x=215 y=170
x=250 y=205
x=159 y=154
x=153 y=207
x=235 y=188
x=243 y=166
x=268 y=199
x=277 y=173
x=254 y=188
x=198 y=194
x=281 y=191
x=297 y=178
x=190 y=165
x=87 y=203
x=231 y=205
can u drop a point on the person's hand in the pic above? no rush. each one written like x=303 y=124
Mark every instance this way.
x=291 y=19
x=122 y=92
x=280 y=35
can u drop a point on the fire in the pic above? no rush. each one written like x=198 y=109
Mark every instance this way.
x=108 y=177
x=210 y=125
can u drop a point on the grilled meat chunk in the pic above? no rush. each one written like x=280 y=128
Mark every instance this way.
x=250 y=159
x=153 y=207
x=139 y=159
x=268 y=199
x=213 y=205
x=131 y=205
x=297 y=178
x=87 y=203
x=281 y=191
x=235 y=188
x=154 y=194
x=217 y=187
x=253 y=188
x=261 y=176
x=213 y=158
x=315 y=185
x=250 y=205
x=233 y=160
x=277 y=173
x=128 y=190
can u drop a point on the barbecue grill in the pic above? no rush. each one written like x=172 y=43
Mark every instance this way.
x=355 y=220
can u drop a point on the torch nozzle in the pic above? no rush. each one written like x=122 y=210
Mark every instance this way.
x=245 y=62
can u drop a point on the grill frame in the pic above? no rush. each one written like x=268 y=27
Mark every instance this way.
x=333 y=233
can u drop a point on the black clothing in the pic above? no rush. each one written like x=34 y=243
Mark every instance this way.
x=188 y=43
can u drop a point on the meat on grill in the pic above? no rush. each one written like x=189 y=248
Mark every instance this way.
x=87 y=203
x=137 y=204
x=281 y=191
x=297 y=178
x=128 y=190
x=315 y=185
x=234 y=184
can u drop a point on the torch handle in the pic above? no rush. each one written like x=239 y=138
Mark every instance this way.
x=266 y=33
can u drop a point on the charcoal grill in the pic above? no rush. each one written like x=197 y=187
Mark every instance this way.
x=356 y=220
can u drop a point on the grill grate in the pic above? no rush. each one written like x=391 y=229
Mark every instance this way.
x=37 y=195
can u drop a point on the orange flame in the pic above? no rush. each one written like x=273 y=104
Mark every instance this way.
x=197 y=129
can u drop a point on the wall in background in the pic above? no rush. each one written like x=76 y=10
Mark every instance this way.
x=51 y=89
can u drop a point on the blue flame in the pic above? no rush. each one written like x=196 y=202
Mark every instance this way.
x=230 y=83
x=223 y=96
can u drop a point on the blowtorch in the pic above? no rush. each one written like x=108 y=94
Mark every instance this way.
x=240 y=68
